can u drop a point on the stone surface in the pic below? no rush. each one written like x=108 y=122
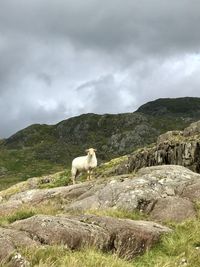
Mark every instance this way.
x=37 y=196
x=141 y=192
x=125 y=237
x=192 y=192
x=172 y=209
x=10 y=239
x=173 y=147
x=127 y=192
x=193 y=129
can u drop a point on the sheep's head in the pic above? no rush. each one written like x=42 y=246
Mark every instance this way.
x=90 y=151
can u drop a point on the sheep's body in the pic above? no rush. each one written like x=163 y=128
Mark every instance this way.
x=84 y=163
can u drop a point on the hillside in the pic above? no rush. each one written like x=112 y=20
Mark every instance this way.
x=40 y=149
x=186 y=107
x=127 y=216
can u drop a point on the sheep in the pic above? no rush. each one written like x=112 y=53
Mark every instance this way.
x=84 y=163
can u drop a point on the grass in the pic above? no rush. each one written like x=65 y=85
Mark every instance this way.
x=59 y=179
x=182 y=245
x=50 y=207
x=59 y=256
x=118 y=213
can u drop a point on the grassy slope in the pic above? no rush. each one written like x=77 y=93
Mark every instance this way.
x=174 y=249
x=179 y=247
x=44 y=155
x=44 y=149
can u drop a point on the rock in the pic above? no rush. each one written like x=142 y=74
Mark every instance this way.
x=10 y=239
x=193 y=129
x=18 y=260
x=8 y=207
x=129 y=238
x=173 y=147
x=169 y=136
x=172 y=209
x=37 y=196
x=192 y=192
x=74 y=234
x=151 y=185
x=125 y=237
x=131 y=192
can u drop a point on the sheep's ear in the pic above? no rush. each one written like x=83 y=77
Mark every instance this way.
x=87 y=150
x=95 y=150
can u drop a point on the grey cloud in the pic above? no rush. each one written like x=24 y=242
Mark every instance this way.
x=62 y=58
x=108 y=25
x=106 y=95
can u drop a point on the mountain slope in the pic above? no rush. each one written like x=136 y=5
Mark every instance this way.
x=185 y=106
x=41 y=149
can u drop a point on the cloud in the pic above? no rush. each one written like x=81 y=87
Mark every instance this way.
x=62 y=58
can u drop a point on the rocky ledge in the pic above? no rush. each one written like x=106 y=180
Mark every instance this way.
x=174 y=147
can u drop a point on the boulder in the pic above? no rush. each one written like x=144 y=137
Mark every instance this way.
x=11 y=239
x=133 y=192
x=141 y=192
x=127 y=238
x=37 y=196
x=172 y=209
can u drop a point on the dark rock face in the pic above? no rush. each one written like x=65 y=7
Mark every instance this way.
x=125 y=237
x=174 y=147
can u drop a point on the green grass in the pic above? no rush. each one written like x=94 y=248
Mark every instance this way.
x=20 y=215
x=117 y=213
x=58 y=256
x=17 y=215
x=61 y=179
x=49 y=207
x=180 y=245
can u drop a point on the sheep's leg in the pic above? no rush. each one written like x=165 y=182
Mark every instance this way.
x=88 y=175
x=73 y=180
x=91 y=172
x=74 y=174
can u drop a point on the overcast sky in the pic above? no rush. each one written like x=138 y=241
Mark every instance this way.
x=61 y=58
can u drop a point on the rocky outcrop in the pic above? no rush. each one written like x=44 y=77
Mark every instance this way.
x=127 y=238
x=174 y=147
x=172 y=209
x=10 y=239
x=147 y=191
x=164 y=193
x=36 y=197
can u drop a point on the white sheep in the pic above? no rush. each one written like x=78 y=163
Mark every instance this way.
x=84 y=163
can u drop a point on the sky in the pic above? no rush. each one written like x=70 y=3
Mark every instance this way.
x=62 y=58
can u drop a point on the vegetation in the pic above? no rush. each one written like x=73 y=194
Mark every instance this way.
x=50 y=207
x=186 y=106
x=122 y=214
x=43 y=149
x=181 y=247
